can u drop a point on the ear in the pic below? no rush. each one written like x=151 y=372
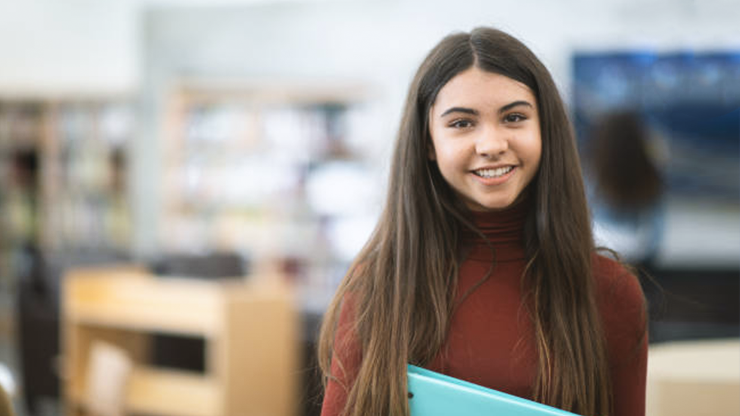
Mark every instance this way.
x=431 y=153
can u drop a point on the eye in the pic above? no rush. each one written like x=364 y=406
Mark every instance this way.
x=461 y=123
x=514 y=118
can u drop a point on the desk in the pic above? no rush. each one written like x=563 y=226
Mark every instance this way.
x=250 y=329
x=694 y=378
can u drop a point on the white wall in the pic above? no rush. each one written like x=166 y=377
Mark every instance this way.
x=66 y=47
x=58 y=46
x=48 y=46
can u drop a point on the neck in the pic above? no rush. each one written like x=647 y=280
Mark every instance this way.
x=503 y=230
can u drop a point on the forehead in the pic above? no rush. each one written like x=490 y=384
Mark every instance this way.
x=478 y=89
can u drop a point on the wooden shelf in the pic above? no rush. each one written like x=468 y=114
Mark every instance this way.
x=179 y=306
x=76 y=152
x=162 y=392
x=251 y=332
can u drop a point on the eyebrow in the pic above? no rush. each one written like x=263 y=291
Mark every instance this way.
x=460 y=110
x=471 y=111
x=509 y=106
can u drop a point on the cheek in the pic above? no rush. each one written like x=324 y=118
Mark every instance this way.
x=531 y=150
x=449 y=158
x=444 y=162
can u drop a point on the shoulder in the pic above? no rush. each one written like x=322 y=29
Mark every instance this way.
x=621 y=304
x=615 y=283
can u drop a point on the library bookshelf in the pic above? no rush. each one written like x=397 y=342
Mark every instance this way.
x=246 y=164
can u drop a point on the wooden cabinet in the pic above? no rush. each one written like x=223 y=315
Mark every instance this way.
x=250 y=331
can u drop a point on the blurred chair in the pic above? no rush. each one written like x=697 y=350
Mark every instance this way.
x=38 y=329
x=38 y=315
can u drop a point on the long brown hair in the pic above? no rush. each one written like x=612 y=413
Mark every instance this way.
x=403 y=281
x=626 y=175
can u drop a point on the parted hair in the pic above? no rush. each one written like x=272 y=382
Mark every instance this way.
x=403 y=281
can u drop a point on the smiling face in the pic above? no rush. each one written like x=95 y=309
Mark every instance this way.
x=486 y=138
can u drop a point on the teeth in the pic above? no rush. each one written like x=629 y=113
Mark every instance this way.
x=493 y=173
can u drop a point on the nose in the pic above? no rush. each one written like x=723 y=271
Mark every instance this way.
x=492 y=143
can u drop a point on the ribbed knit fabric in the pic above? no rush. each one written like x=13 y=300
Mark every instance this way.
x=491 y=336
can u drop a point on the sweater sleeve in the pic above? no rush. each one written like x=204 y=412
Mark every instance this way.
x=345 y=362
x=625 y=325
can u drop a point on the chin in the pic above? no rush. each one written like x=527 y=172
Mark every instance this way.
x=492 y=206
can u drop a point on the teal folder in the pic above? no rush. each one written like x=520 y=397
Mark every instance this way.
x=435 y=394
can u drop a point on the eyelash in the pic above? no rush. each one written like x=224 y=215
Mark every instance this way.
x=457 y=123
x=464 y=123
x=518 y=117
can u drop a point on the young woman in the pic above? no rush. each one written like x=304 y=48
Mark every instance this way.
x=483 y=265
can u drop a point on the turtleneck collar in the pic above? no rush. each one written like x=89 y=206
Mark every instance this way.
x=504 y=229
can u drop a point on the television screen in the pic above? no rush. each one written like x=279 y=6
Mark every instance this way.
x=690 y=101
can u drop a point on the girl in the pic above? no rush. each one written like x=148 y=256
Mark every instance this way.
x=482 y=266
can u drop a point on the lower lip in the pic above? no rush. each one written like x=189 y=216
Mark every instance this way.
x=494 y=181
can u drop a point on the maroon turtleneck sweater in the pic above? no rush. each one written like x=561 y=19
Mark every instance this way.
x=491 y=337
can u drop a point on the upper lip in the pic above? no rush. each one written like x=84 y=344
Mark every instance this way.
x=494 y=167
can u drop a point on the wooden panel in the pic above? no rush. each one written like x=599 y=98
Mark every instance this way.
x=261 y=343
x=694 y=378
x=184 y=306
x=78 y=342
x=699 y=398
x=167 y=392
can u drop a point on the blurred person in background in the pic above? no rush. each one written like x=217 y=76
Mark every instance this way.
x=625 y=188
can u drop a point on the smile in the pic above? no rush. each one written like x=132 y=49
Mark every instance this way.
x=493 y=173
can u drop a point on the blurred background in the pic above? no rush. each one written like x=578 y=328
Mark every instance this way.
x=160 y=157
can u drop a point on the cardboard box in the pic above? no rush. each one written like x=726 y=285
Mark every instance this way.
x=694 y=378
